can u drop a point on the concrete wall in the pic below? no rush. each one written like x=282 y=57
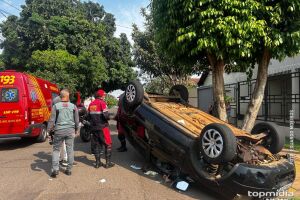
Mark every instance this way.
x=193 y=96
x=205 y=98
x=274 y=67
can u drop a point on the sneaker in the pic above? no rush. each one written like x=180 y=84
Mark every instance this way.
x=63 y=163
x=68 y=172
x=54 y=174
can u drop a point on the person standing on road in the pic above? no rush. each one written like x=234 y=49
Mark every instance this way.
x=63 y=153
x=98 y=117
x=65 y=121
x=121 y=134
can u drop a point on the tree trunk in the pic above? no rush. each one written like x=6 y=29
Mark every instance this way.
x=258 y=92
x=218 y=86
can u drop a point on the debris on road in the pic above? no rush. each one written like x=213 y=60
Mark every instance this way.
x=166 y=178
x=102 y=181
x=182 y=185
x=136 y=167
x=151 y=173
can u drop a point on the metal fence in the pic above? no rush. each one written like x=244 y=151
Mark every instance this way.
x=281 y=95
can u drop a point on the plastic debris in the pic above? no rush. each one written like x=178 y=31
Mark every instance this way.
x=136 y=167
x=166 y=178
x=50 y=179
x=151 y=173
x=181 y=121
x=102 y=181
x=182 y=185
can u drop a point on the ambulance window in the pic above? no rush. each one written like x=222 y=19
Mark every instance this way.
x=9 y=95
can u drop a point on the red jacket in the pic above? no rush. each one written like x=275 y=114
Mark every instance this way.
x=98 y=114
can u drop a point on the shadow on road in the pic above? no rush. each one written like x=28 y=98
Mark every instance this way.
x=43 y=163
x=133 y=157
x=15 y=143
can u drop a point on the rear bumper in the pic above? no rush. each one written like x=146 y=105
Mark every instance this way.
x=246 y=178
x=27 y=132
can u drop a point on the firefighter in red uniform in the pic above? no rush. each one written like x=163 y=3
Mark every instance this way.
x=98 y=117
x=121 y=133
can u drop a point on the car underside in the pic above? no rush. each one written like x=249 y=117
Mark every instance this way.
x=183 y=139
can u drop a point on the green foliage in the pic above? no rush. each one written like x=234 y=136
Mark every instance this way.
x=159 y=85
x=296 y=144
x=118 y=55
x=92 y=72
x=231 y=30
x=67 y=28
x=233 y=35
x=151 y=60
x=56 y=66
x=111 y=101
x=1 y=64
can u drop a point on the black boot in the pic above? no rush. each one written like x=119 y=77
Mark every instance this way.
x=123 y=147
x=122 y=140
x=98 y=161
x=119 y=148
x=108 y=163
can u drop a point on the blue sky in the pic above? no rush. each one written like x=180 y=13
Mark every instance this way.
x=126 y=12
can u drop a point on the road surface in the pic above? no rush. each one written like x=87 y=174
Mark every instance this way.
x=25 y=169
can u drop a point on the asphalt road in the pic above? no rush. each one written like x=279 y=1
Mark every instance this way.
x=26 y=166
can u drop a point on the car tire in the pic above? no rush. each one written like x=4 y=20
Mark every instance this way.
x=217 y=143
x=274 y=142
x=43 y=134
x=181 y=90
x=134 y=95
x=85 y=135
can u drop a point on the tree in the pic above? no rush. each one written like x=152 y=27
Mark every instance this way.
x=12 y=46
x=46 y=64
x=280 y=39
x=154 y=62
x=1 y=65
x=226 y=32
x=95 y=68
x=118 y=57
x=80 y=29
x=159 y=85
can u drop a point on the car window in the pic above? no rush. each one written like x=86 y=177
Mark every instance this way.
x=9 y=95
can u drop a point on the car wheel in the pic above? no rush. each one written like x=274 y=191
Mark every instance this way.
x=85 y=135
x=217 y=143
x=43 y=134
x=134 y=94
x=180 y=90
x=274 y=141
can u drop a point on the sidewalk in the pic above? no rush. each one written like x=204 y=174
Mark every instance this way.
x=296 y=186
x=286 y=131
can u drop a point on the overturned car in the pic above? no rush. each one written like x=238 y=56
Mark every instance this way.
x=228 y=160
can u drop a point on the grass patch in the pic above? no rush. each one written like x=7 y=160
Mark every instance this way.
x=296 y=144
